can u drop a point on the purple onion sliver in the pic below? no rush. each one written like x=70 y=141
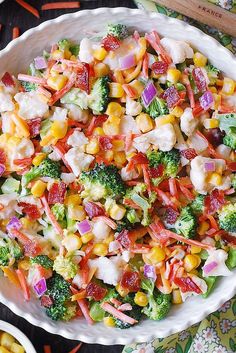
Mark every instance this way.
x=150 y=272
x=14 y=223
x=84 y=227
x=206 y=100
x=210 y=166
x=40 y=63
x=209 y=267
x=40 y=287
x=149 y=94
x=2 y=169
x=126 y=62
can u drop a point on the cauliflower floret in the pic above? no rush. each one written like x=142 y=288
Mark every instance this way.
x=109 y=270
x=217 y=258
x=133 y=107
x=198 y=174
x=31 y=105
x=6 y=103
x=128 y=175
x=8 y=125
x=68 y=178
x=78 y=139
x=59 y=114
x=86 y=51
x=164 y=138
x=9 y=202
x=76 y=113
x=177 y=49
x=128 y=124
x=19 y=149
x=142 y=143
x=187 y=122
x=100 y=230
x=77 y=160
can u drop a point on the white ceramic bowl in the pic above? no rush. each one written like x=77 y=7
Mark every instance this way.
x=16 y=57
x=18 y=335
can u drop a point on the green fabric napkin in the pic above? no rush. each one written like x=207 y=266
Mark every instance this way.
x=216 y=333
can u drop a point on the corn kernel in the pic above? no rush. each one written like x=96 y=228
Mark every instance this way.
x=122 y=291
x=109 y=321
x=57 y=54
x=38 y=159
x=191 y=262
x=217 y=100
x=138 y=87
x=87 y=237
x=116 y=90
x=203 y=228
x=7 y=340
x=110 y=127
x=98 y=131
x=114 y=109
x=59 y=129
x=118 y=145
x=48 y=140
x=177 y=111
x=73 y=200
x=17 y=348
x=199 y=59
x=109 y=239
x=117 y=212
x=213 y=89
x=100 y=54
x=73 y=58
x=211 y=123
x=228 y=86
x=93 y=146
x=38 y=188
x=215 y=179
x=100 y=249
x=165 y=119
x=101 y=69
x=108 y=155
x=76 y=213
x=157 y=254
x=176 y=297
x=144 y=122
x=26 y=222
x=141 y=299
x=173 y=75
x=72 y=242
x=195 y=249
x=4 y=350
x=67 y=54
x=57 y=82
x=24 y=265
x=120 y=158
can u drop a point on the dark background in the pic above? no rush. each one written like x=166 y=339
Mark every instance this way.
x=11 y=15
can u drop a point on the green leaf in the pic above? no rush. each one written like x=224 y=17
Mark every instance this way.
x=179 y=348
x=161 y=9
x=188 y=344
x=232 y=344
x=128 y=350
x=234 y=307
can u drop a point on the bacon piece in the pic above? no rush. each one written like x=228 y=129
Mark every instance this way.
x=214 y=201
x=171 y=96
x=93 y=209
x=7 y=80
x=110 y=42
x=56 y=193
x=34 y=126
x=131 y=281
x=186 y=284
x=159 y=67
x=95 y=291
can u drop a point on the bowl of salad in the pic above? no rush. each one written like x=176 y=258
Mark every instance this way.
x=117 y=165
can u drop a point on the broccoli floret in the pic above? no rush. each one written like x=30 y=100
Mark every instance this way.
x=47 y=168
x=230 y=138
x=158 y=303
x=65 y=267
x=186 y=223
x=212 y=73
x=102 y=181
x=233 y=181
x=42 y=260
x=157 y=107
x=59 y=212
x=29 y=86
x=227 y=121
x=124 y=224
x=56 y=311
x=66 y=44
x=227 y=218
x=136 y=194
x=197 y=206
x=10 y=251
x=170 y=161
x=71 y=309
x=118 y=30
x=99 y=96
x=58 y=289
x=135 y=313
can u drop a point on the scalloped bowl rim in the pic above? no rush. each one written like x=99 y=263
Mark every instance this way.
x=148 y=329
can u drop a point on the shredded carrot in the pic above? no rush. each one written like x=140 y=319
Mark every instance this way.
x=189 y=90
x=118 y=314
x=57 y=95
x=213 y=222
x=146 y=177
x=130 y=91
x=145 y=66
x=173 y=187
x=106 y=220
x=33 y=79
x=61 y=5
x=15 y=32
x=74 y=350
x=28 y=7
x=23 y=284
x=11 y=275
x=47 y=349
x=51 y=216
x=178 y=237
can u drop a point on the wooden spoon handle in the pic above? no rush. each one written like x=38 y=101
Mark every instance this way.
x=205 y=12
